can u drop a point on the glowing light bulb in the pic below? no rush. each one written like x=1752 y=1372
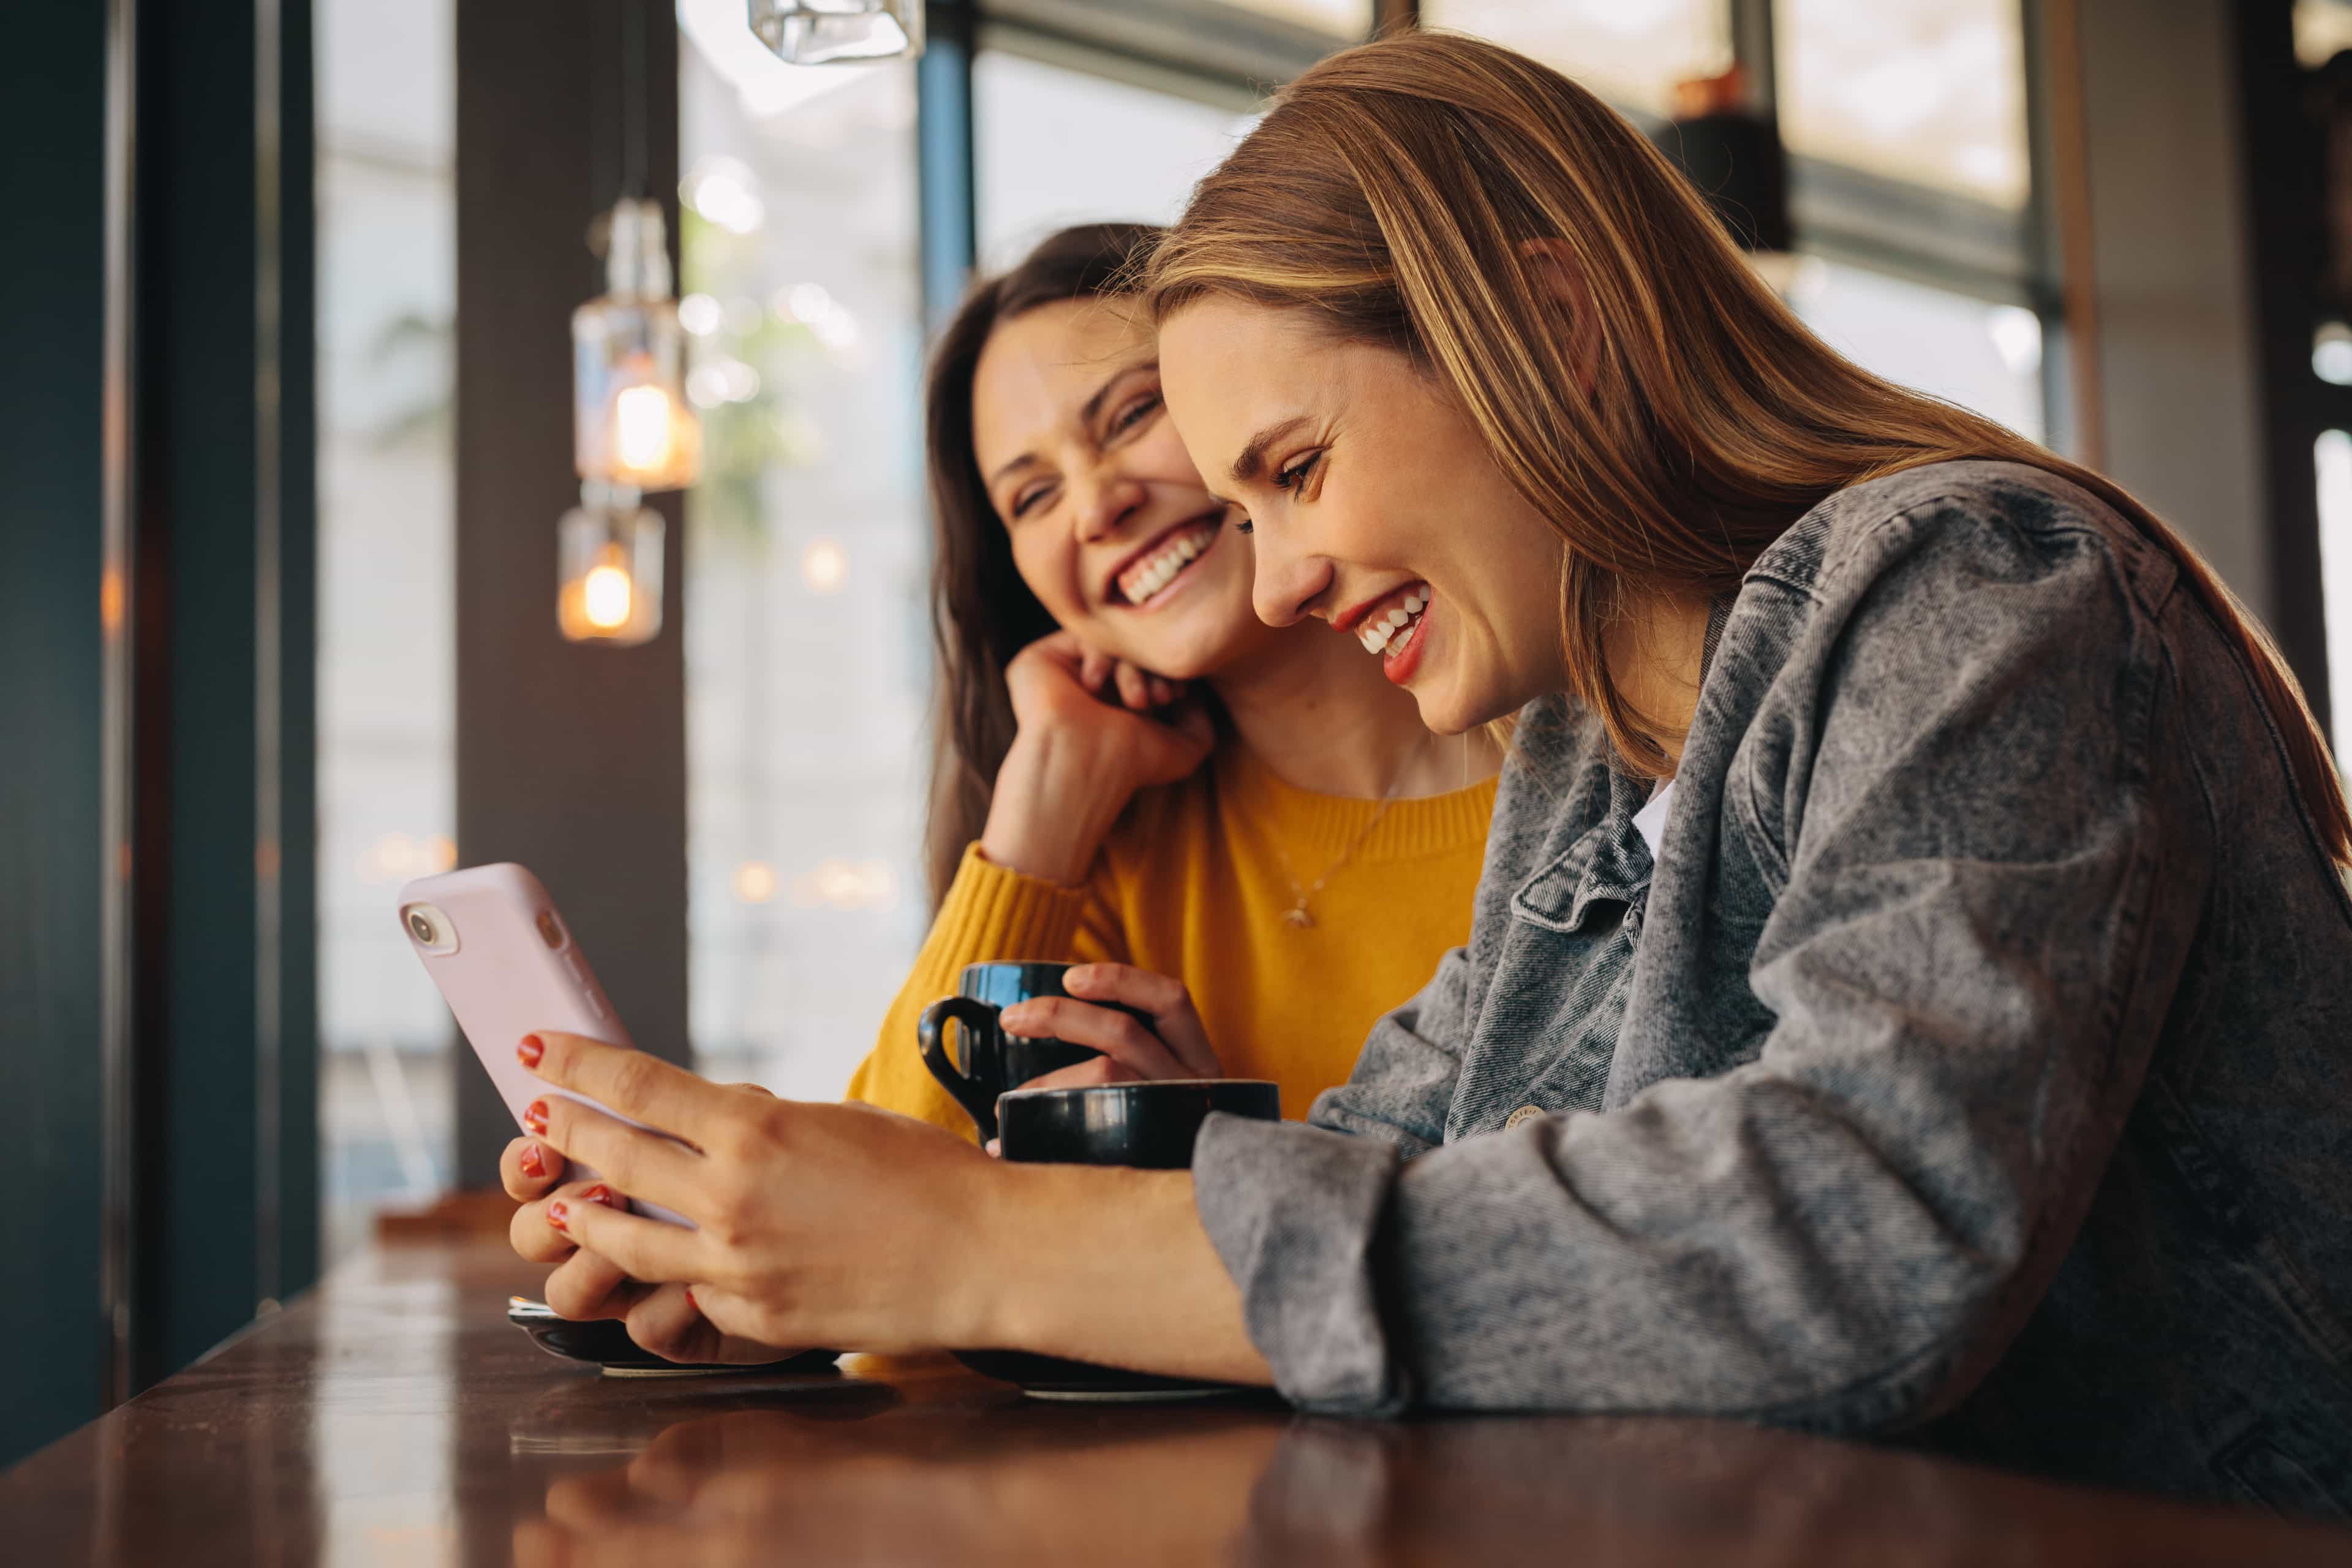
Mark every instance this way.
x=641 y=421
x=606 y=594
x=825 y=566
x=631 y=427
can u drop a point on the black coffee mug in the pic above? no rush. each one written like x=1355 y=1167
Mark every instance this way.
x=1151 y=1125
x=995 y=1062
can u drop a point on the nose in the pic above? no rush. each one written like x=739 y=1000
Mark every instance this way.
x=1288 y=582
x=1104 y=498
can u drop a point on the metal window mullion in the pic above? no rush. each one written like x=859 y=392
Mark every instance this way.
x=268 y=664
x=119 y=1213
x=947 y=223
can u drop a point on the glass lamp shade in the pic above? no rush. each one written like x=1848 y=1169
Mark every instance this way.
x=821 y=32
x=609 y=571
x=631 y=423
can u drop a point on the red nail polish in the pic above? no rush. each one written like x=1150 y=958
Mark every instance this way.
x=691 y=1302
x=533 y=1165
x=601 y=1194
x=531 y=1050
x=556 y=1214
x=534 y=1119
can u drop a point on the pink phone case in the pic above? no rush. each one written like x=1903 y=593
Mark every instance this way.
x=514 y=970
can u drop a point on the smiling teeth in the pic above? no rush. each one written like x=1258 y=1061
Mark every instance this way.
x=1394 y=628
x=1155 y=572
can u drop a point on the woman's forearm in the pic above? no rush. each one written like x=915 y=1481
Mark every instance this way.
x=1109 y=1265
x=1052 y=808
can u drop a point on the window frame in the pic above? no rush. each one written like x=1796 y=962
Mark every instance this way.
x=1219 y=54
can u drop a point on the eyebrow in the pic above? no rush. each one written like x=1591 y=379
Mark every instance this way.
x=1247 y=467
x=1086 y=414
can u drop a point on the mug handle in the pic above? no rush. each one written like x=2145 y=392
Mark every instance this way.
x=978 y=1099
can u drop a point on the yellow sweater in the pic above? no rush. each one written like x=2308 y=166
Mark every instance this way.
x=1191 y=883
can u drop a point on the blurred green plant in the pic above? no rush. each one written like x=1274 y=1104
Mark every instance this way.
x=742 y=441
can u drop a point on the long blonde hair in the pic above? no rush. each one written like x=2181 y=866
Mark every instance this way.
x=1672 y=421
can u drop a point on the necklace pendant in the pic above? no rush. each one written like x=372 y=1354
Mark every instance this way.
x=1298 y=917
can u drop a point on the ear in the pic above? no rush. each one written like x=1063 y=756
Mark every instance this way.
x=1552 y=264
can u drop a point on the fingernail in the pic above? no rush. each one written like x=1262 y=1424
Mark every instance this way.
x=691 y=1302
x=601 y=1194
x=534 y=1119
x=1081 y=974
x=533 y=1165
x=531 y=1050
x=555 y=1213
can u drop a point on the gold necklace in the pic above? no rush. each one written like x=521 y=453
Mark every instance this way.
x=1296 y=916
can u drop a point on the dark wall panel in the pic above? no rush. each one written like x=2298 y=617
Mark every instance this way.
x=226 y=1139
x=51 y=854
x=571 y=759
x=196 y=337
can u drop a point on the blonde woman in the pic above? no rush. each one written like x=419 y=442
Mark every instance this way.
x=1909 y=985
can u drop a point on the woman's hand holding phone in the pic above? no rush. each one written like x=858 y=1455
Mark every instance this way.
x=790 y=1202
x=1093 y=730
x=586 y=1285
x=842 y=1224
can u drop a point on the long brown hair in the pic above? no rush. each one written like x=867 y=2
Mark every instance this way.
x=1673 y=420
x=981 y=611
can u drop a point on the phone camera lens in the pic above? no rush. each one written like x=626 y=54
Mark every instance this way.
x=420 y=925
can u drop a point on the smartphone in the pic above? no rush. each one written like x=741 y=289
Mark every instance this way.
x=505 y=962
x=605 y=1343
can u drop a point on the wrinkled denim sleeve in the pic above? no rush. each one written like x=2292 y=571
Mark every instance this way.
x=1954 y=805
x=1338 y=1169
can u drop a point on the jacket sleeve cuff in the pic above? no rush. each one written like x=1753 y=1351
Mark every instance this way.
x=1295 y=1212
x=992 y=912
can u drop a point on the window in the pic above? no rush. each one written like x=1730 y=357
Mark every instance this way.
x=1983 y=356
x=807 y=655
x=1928 y=91
x=1908 y=115
x=2323 y=29
x=1348 y=19
x=1056 y=146
x=1631 y=52
x=2333 y=456
x=387 y=292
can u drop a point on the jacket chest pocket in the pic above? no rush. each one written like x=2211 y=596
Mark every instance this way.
x=1549 y=1031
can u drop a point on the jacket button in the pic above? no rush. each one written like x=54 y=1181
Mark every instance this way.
x=1521 y=1117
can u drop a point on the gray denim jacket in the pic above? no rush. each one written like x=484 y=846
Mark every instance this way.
x=1974 y=1064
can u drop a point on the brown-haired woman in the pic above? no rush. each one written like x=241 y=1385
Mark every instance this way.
x=1266 y=868
x=1909 y=985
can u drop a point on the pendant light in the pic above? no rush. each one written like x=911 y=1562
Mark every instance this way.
x=609 y=568
x=826 y=32
x=633 y=431
x=631 y=423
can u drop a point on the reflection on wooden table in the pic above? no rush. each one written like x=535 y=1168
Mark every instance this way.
x=396 y=1417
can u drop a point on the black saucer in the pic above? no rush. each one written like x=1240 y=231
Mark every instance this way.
x=1052 y=1377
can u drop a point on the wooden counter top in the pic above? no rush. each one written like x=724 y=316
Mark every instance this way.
x=395 y=1417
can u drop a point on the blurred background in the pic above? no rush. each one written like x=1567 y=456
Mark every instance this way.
x=289 y=415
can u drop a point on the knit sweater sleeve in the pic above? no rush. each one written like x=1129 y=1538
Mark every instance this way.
x=989 y=912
